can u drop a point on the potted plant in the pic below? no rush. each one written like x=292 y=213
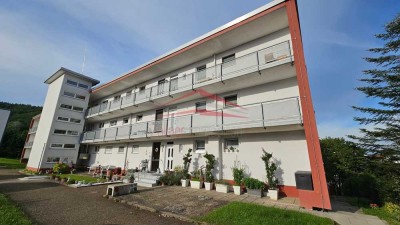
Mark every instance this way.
x=272 y=181
x=253 y=186
x=238 y=175
x=196 y=180
x=209 y=184
x=187 y=159
x=222 y=186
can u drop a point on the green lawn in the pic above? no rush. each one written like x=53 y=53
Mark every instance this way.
x=10 y=214
x=239 y=213
x=11 y=163
x=81 y=178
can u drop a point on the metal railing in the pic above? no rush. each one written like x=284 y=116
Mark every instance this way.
x=252 y=62
x=266 y=114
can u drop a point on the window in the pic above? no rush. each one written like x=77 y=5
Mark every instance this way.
x=56 y=131
x=113 y=122
x=200 y=107
x=139 y=118
x=96 y=149
x=230 y=101
x=53 y=159
x=81 y=97
x=117 y=97
x=69 y=146
x=60 y=118
x=135 y=149
x=73 y=83
x=108 y=150
x=72 y=120
x=101 y=125
x=228 y=59
x=125 y=120
x=64 y=106
x=201 y=73
x=80 y=109
x=84 y=86
x=200 y=146
x=142 y=88
x=121 y=149
x=201 y=68
x=174 y=83
x=56 y=145
x=231 y=144
x=72 y=132
x=128 y=93
x=69 y=94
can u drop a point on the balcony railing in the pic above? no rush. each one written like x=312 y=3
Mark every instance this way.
x=32 y=130
x=265 y=114
x=252 y=62
x=28 y=144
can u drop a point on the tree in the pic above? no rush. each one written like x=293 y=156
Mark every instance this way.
x=342 y=160
x=382 y=83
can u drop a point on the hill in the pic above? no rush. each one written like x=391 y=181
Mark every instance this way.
x=17 y=128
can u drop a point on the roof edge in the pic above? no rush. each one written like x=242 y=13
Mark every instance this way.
x=63 y=70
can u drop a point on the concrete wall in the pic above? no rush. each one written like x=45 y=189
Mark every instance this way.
x=4 y=114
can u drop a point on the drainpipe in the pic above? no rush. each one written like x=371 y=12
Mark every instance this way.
x=126 y=155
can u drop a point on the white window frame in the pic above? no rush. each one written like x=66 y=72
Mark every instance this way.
x=141 y=118
x=135 y=149
x=227 y=147
x=228 y=96
x=197 y=104
x=108 y=150
x=119 y=149
x=113 y=123
x=127 y=120
x=199 y=150
x=60 y=147
x=61 y=120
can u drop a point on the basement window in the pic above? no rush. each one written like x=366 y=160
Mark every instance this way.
x=200 y=146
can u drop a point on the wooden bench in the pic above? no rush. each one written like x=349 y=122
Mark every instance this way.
x=121 y=189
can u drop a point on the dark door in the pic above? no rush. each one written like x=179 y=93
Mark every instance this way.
x=155 y=156
x=158 y=122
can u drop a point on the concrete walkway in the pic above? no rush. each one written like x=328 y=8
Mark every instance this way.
x=193 y=202
x=49 y=203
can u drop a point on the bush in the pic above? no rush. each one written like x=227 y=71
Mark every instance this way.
x=171 y=178
x=221 y=182
x=71 y=181
x=209 y=167
x=61 y=168
x=238 y=175
x=363 y=185
x=252 y=183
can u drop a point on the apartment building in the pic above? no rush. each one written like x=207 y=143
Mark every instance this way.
x=233 y=92
x=4 y=115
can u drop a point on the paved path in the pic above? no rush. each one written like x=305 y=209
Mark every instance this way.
x=50 y=203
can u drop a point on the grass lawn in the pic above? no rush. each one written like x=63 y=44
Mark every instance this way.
x=379 y=212
x=12 y=163
x=81 y=178
x=10 y=214
x=239 y=213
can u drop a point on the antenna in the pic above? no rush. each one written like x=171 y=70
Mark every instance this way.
x=84 y=59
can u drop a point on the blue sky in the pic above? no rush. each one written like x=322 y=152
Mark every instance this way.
x=37 y=37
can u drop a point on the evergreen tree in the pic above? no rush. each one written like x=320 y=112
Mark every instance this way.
x=383 y=84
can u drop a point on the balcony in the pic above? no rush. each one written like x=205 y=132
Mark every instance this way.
x=32 y=130
x=253 y=62
x=261 y=115
x=28 y=144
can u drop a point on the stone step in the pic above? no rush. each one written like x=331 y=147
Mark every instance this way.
x=146 y=184
x=144 y=180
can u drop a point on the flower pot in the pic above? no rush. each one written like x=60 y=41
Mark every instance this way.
x=273 y=194
x=255 y=192
x=209 y=186
x=237 y=190
x=196 y=184
x=185 y=182
x=223 y=188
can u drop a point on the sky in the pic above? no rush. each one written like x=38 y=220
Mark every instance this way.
x=38 y=37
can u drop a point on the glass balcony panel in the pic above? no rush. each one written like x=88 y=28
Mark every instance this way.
x=123 y=132
x=240 y=65
x=103 y=107
x=111 y=133
x=205 y=121
x=243 y=117
x=115 y=104
x=94 y=110
x=205 y=75
x=274 y=53
x=89 y=135
x=143 y=95
x=282 y=112
x=99 y=135
x=127 y=100
x=139 y=130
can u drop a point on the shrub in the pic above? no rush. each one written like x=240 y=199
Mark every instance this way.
x=209 y=167
x=270 y=168
x=238 y=175
x=171 y=178
x=197 y=175
x=187 y=159
x=71 y=181
x=221 y=182
x=61 y=168
x=363 y=185
x=252 y=183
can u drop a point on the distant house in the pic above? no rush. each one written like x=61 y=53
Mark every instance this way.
x=4 y=115
x=232 y=92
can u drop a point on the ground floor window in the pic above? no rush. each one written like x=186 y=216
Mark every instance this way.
x=121 y=149
x=108 y=150
x=53 y=159
x=135 y=149
x=231 y=144
x=200 y=146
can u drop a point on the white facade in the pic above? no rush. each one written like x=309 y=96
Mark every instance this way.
x=61 y=122
x=4 y=114
x=233 y=92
